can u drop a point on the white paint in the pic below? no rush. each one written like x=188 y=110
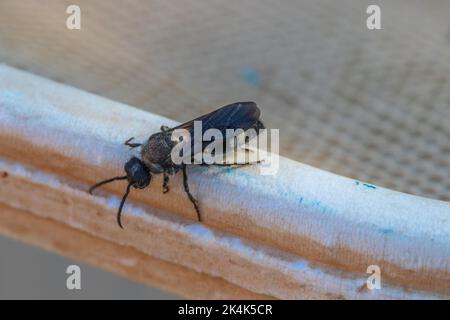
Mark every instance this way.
x=128 y=262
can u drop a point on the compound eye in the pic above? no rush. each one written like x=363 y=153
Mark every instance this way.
x=143 y=182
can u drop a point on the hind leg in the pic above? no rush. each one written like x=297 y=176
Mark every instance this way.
x=190 y=196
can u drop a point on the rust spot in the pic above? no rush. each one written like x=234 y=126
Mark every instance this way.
x=4 y=174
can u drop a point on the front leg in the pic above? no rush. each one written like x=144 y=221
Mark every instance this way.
x=166 y=182
x=132 y=145
x=186 y=189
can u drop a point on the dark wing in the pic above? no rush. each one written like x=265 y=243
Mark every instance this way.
x=239 y=115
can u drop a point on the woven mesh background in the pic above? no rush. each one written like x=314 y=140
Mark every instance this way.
x=372 y=105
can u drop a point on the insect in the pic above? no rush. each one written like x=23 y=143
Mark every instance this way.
x=156 y=151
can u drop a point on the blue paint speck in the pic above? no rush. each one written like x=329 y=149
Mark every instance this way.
x=251 y=76
x=387 y=231
x=228 y=170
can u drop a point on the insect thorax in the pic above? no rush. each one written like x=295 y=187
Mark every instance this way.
x=157 y=150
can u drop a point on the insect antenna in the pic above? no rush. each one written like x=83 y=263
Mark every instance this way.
x=95 y=186
x=122 y=203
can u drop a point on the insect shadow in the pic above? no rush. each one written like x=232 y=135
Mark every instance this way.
x=156 y=151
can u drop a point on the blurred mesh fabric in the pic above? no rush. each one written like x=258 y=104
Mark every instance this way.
x=372 y=105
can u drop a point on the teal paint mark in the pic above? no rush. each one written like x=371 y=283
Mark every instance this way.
x=369 y=186
x=251 y=76
x=387 y=231
x=318 y=205
x=307 y=203
x=289 y=195
x=229 y=170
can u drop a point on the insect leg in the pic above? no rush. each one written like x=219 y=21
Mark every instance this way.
x=166 y=182
x=239 y=164
x=132 y=145
x=236 y=165
x=259 y=125
x=186 y=189
x=247 y=151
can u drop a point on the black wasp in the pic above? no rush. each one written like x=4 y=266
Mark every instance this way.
x=156 y=152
